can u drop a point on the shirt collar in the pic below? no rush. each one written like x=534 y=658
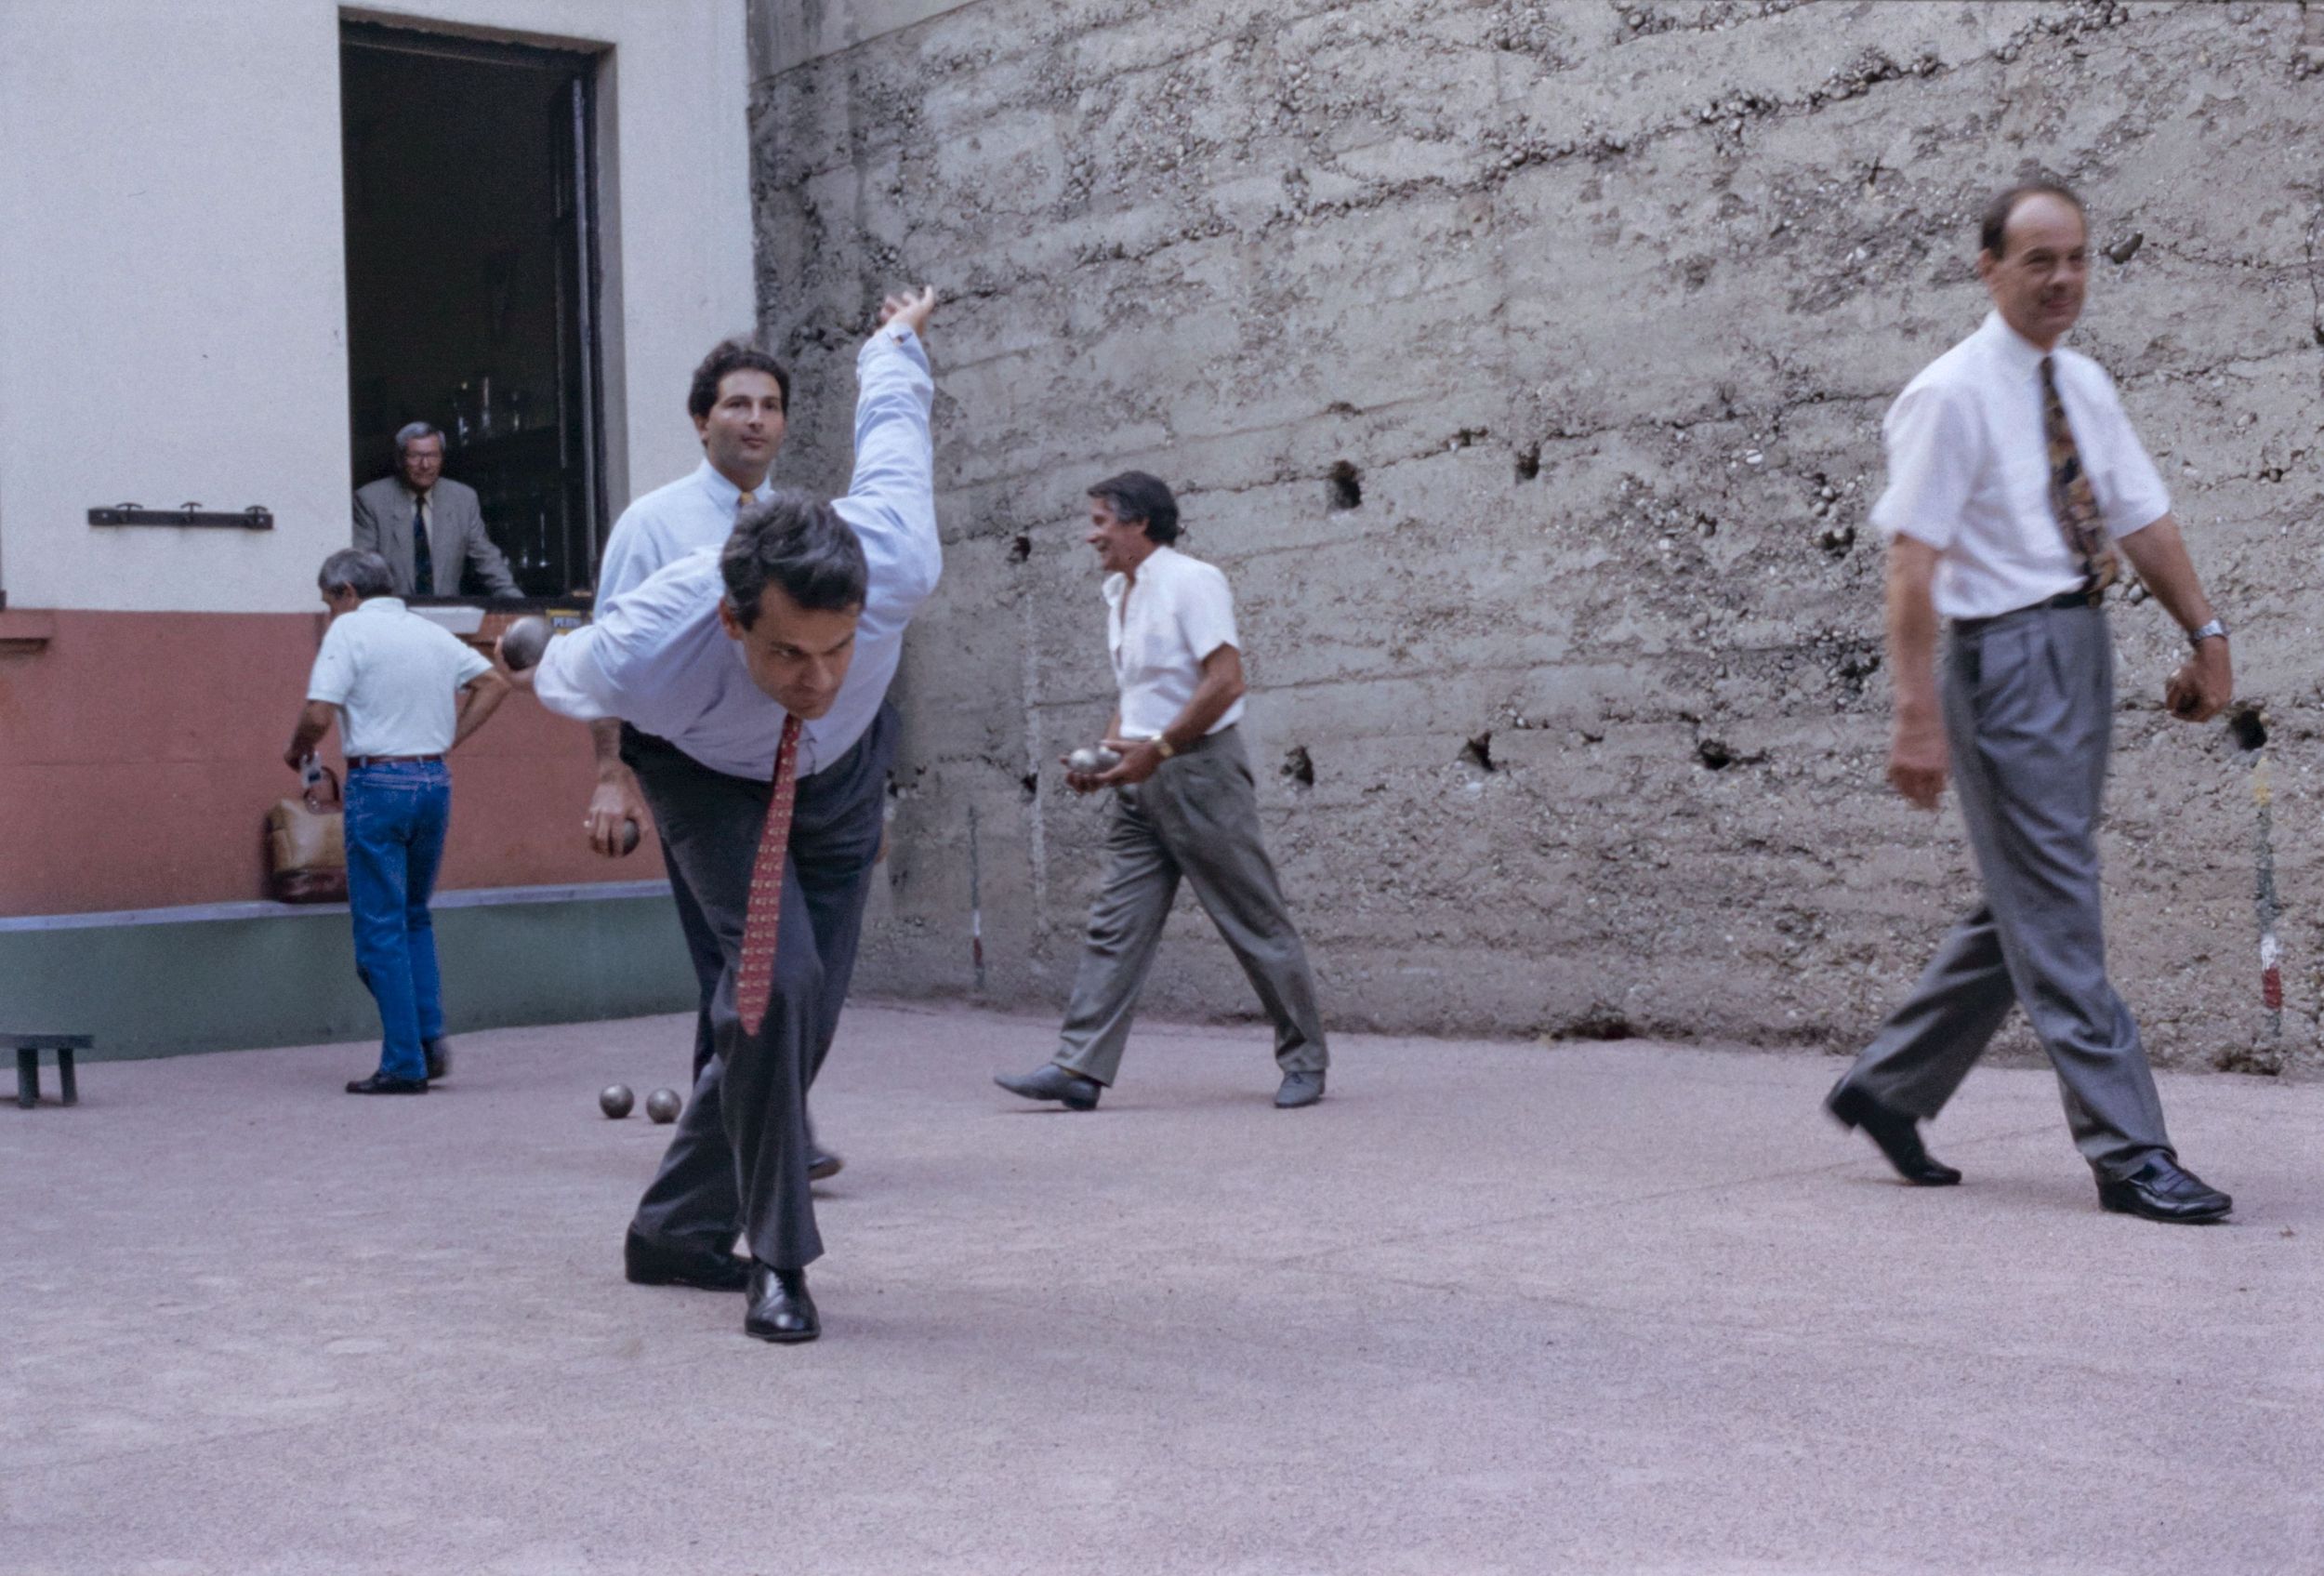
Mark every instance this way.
x=385 y=605
x=2018 y=353
x=722 y=492
x=1117 y=584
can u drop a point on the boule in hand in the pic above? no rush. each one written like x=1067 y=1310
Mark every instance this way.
x=523 y=640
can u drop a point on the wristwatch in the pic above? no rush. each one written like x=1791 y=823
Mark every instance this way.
x=1165 y=747
x=2215 y=629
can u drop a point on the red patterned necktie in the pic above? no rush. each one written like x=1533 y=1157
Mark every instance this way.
x=754 y=981
x=2071 y=498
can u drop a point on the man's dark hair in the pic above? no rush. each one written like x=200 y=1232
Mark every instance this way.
x=366 y=574
x=1994 y=225
x=1138 y=498
x=733 y=356
x=798 y=542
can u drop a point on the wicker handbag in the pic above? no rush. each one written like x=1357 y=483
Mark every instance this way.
x=306 y=843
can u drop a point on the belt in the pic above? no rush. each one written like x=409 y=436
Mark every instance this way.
x=355 y=760
x=2063 y=599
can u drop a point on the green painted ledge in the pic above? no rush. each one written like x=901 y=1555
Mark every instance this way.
x=235 y=976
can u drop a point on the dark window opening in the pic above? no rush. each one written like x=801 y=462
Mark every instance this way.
x=472 y=281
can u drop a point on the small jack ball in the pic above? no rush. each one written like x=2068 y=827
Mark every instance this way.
x=663 y=1104
x=614 y=1100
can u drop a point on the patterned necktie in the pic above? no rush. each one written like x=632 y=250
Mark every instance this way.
x=744 y=499
x=423 y=561
x=754 y=981
x=2071 y=498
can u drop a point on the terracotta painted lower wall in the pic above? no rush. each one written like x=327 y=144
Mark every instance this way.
x=141 y=752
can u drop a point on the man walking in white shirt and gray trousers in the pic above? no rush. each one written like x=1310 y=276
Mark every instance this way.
x=2015 y=487
x=1183 y=804
x=757 y=676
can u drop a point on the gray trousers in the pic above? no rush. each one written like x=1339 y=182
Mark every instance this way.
x=2028 y=703
x=1197 y=818
x=738 y=1162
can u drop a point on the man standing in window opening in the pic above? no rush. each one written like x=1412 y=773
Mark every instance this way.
x=1183 y=804
x=756 y=675
x=2017 y=488
x=427 y=528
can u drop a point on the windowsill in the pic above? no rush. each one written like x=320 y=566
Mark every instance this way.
x=25 y=631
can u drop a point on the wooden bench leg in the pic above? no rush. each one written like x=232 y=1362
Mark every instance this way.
x=28 y=1078
x=71 y=1090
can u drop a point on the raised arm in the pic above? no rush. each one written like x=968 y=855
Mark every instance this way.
x=891 y=500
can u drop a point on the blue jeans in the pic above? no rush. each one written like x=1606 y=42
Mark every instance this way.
x=396 y=817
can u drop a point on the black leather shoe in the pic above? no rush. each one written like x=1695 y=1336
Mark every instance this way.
x=2164 y=1191
x=1051 y=1081
x=380 y=1083
x=780 y=1308
x=823 y=1163
x=1299 y=1089
x=1897 y=1134
x=648 y=1262
x=439 y=1054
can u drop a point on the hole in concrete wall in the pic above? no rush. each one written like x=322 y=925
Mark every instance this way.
x=1021 y=549
x=2248 y=727
x=1597 y=1021
x=2123 y=251
x=1713 y=754
x=1344 y=485
x=1030 y=783
x=1478 y=752
x=1299 y=767
x=1529 y=462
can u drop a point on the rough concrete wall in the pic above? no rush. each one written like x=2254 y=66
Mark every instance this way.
x=1576 y=718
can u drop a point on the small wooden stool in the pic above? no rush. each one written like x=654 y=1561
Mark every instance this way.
x=28 y=1049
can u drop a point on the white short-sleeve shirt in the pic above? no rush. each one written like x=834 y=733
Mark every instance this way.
x=1159 y=627
x=1969 y=471
x=395 y=677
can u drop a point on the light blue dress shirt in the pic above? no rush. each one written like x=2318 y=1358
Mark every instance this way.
x=658 y=658
x=695 y=512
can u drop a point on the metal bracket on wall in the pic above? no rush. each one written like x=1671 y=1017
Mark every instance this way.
x=257 y=517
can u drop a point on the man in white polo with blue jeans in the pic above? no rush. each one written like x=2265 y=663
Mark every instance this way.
x=404 y=692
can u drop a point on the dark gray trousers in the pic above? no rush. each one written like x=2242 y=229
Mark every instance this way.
x=738 y=1162
x=702 y=941
x=1197 y=818
x=2028 y=703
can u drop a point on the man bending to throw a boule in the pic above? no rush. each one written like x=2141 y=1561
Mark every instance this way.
x=761 y=671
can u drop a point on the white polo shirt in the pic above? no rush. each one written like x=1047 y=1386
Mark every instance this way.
x=1158 y=628
x=395 y=677
x=1969 y=471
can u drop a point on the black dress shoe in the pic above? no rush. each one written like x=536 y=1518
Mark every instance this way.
x=380 y=1083
x=1051 y=1081
x=649 y=1263
x=1299 y=1089
x=2164 y=1191
x=1897 y=1134
x=823 y=1163
x=780 y=1308
x=439 y=1054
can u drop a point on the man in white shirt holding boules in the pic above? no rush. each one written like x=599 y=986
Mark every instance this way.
x=2016 y=490
x=1183 y=805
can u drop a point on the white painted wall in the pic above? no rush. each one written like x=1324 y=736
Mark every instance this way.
x=172 y=288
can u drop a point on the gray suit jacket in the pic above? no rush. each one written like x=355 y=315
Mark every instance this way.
x=455 y=537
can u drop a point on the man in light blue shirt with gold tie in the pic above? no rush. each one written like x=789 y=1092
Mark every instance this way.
x=739 y=400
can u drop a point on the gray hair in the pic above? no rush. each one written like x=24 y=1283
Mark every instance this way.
x=366 y=574
x=798 y=542
x=412 y=432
